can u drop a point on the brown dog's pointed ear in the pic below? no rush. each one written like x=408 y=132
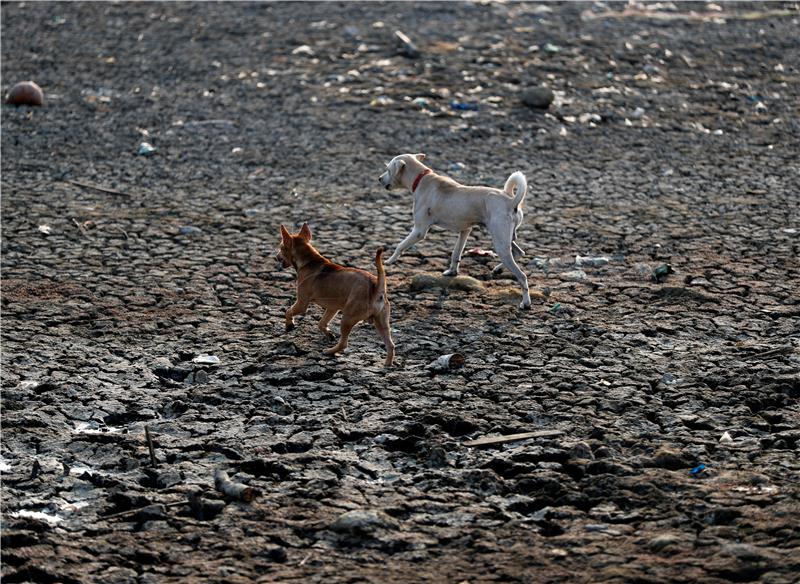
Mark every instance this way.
x=420 y=156
x=305 y=232
x=286 y=236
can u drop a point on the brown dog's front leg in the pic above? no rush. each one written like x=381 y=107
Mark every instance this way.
x=296 y=308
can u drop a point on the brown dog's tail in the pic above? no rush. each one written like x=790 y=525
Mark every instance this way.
x=381 y=273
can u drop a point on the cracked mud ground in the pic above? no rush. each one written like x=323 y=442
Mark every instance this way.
x=673 y=140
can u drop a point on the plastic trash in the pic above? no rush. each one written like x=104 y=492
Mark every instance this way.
x=698 y=470
x=449 y=362
x=461 y=106
x=206 y=360
x=146 y=149
x=591 y=261
x=661 y=272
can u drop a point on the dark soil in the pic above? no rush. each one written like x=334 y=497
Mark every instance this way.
x=673 y=140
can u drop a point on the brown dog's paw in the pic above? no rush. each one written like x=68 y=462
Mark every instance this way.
x=289 y=326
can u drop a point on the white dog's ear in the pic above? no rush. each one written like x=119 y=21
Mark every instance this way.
x=420 y=156
x=401 y=164
x=286 y=236
x=305 y=232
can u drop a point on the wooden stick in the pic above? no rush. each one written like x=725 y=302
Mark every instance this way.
x=149 y=439
x=512 y=438
x=97 y=188
x=137 y=509
x=224 y=484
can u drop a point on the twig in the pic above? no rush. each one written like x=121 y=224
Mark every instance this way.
x=512 y=438
x=304 y=560
x=224 y=484
x=137 y=509
x=97 y=188
x=149 y=439
x=771 y=353
x=82 y=228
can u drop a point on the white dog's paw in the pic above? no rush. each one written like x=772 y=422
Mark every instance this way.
x=450 y=272
x=391 y=260
x=525 y=305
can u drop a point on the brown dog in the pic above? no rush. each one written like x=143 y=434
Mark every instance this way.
x=357 y=293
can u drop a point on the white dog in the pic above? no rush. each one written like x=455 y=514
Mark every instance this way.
x=439 y=200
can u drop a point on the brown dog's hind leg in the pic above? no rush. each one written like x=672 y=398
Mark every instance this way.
x=381 y=323
x=326 y=318
x=347 y=325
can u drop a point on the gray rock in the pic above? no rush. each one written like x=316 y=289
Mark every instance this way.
x=581 y=450
x=361 y=521
x=537 y=97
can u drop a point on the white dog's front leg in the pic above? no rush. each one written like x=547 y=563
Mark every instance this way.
x=455 y=259
x=413 y=237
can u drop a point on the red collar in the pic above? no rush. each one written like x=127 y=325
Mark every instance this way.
x=419 y=178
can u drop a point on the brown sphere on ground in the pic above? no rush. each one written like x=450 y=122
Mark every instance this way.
x=25 y=93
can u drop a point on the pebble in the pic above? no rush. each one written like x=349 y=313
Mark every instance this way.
x=537 y=97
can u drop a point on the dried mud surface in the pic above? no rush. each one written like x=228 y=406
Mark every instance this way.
x=672 y=140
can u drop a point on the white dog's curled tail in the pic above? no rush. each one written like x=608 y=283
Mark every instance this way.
x=516 y=183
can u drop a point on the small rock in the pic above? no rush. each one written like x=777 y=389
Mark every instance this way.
x=206 y=360
x=280 y=407
x=189 y=230
x=537 y=97
x=200 y=377
x=659 y=542
x=363 y=522
x=669 y=459
x=437 y=457
x=581 y=450
x=725 y=438
x=637 y=113
x=25 y=93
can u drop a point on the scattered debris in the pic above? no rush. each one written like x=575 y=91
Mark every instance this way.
x=406 y=47
x=206 y=360
x=492 y=440
x=224 y=484
x=725 y=438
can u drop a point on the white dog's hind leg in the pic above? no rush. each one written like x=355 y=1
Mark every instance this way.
x=502 y=246
x=455 y=259
x=413 y=237
x=515 y=251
